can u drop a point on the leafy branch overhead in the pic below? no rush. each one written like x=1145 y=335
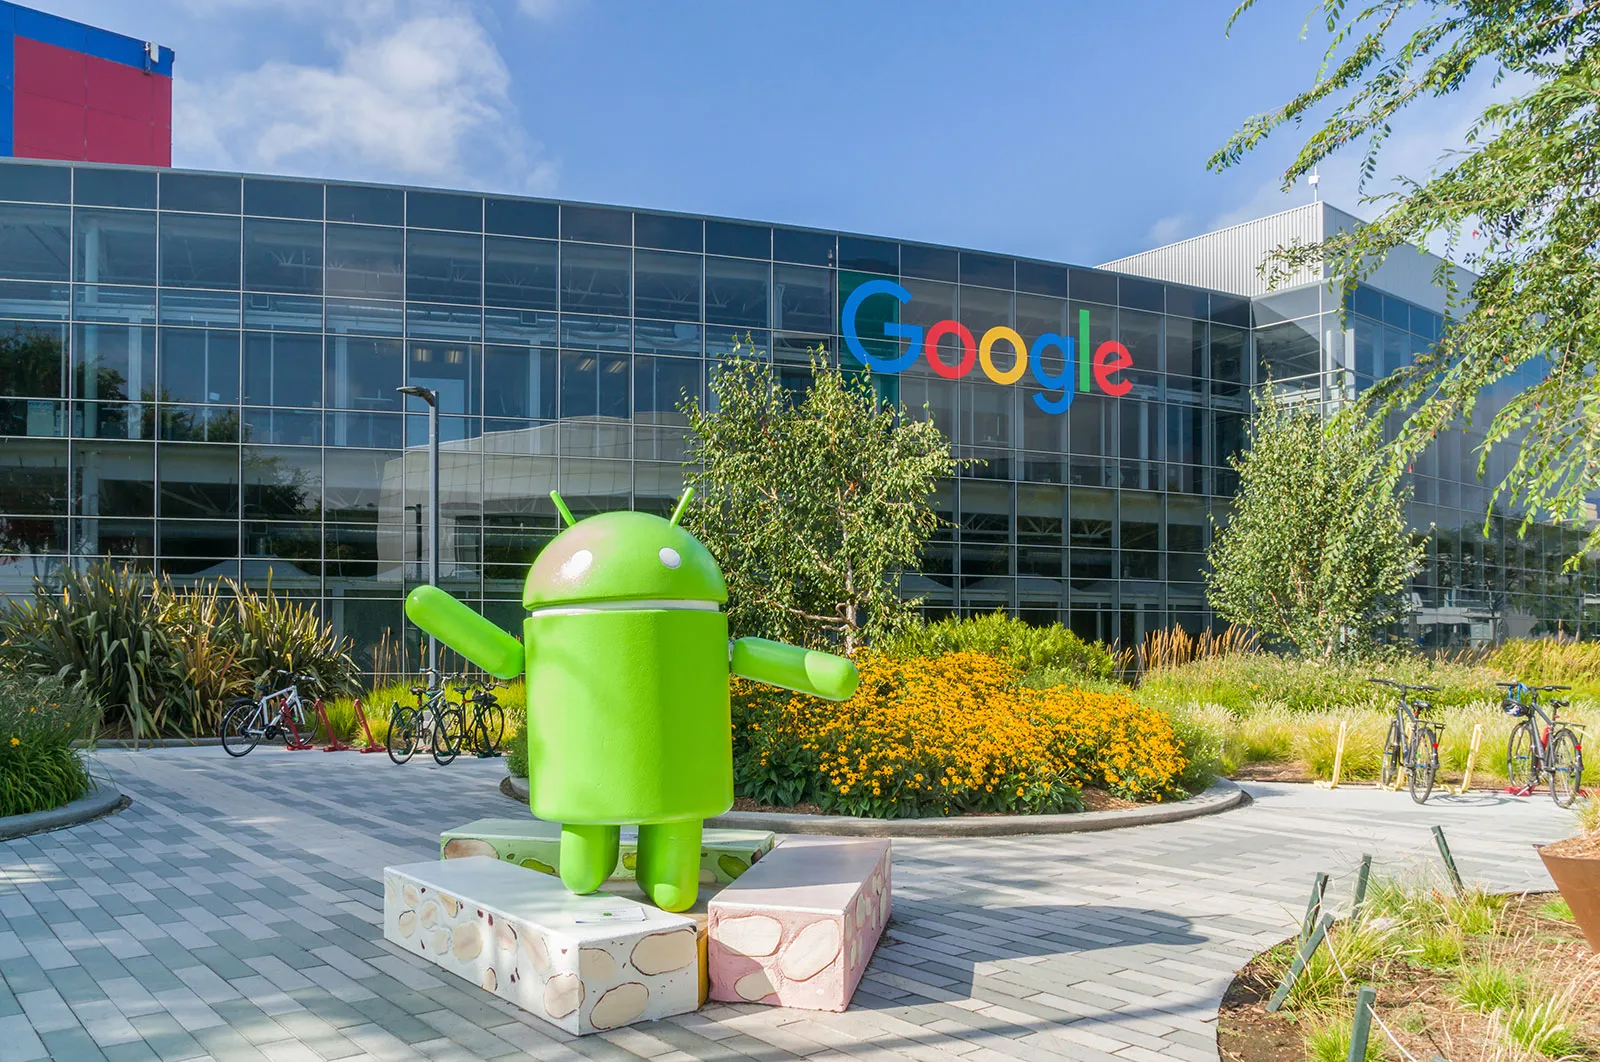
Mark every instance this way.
x=815 y=503
x=1518 y=203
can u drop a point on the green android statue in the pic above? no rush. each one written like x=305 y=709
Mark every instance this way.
x=627 y=660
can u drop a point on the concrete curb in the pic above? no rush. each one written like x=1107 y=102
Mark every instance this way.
x=1222 y=796
x=146 y=743
x=103 y=800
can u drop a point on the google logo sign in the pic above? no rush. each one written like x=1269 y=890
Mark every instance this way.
x=1109 y=359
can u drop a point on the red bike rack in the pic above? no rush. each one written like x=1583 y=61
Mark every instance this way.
x=295 y=743
x=335 y=745
x=372 y=744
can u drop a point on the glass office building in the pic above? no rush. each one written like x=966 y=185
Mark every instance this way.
x=198 y=376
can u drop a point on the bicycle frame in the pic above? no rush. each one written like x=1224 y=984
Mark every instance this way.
x=1543 y=725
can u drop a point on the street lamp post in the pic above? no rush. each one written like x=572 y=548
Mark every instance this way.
x=430 y=396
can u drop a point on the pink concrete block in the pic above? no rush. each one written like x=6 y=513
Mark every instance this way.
x=797 y=929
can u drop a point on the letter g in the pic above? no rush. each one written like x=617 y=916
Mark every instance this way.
x=852 y=338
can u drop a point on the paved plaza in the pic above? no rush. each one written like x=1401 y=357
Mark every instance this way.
x=232 y=912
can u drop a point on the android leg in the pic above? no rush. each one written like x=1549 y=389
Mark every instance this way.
x=669 y=863
x=588 y=855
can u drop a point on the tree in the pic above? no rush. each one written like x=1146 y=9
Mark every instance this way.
x=813 y=503
x=1519 y=205
x=1316 y=553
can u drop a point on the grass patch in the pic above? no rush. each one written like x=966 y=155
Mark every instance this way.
x=1439 y=948
x=1543 y=1028
x=1558 y=910
x=1488 y=986
x=1328 y=1039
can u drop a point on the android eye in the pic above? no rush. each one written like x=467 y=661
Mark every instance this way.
x=669 y=557
x=577 y=564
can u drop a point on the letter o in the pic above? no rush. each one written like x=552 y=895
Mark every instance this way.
x=969 y=349
x=986 y=355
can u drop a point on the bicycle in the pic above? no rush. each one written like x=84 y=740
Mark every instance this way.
x=1554 y=752
x=1413 y=741
x=248 y=721
x=486 y=719
x=434 y=720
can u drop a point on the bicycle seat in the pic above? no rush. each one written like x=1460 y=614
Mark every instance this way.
x=419 y=691
x=1423 y=706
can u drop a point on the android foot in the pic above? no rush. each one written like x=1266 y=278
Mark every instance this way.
x=588 y=855
x=669 y=863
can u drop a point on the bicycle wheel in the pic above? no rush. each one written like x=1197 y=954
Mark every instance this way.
x=1422 y=764
x=1392 y=748
x=447 y=727
x=490 y=729
x=235 y=727
x=402 y=740
x=1566 y=767
x=1519 y=757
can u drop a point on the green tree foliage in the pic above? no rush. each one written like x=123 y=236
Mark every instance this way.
x=1518 y=203
x=1316 y=554
x=814 y=503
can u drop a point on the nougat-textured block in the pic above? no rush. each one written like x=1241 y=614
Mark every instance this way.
x=797 y=929
x=582 y=963
x=536 y=844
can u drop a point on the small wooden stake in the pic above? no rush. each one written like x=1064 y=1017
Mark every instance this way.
x=1449 y=860
x=1301 y=957
x=1472 y=757
x=1338 y=757
x=1363 y=1024
x=1361 y=886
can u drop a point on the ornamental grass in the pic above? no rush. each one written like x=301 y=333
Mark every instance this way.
x=39 y=721
x=946 y=735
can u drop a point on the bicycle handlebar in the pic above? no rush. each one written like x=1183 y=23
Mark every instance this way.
x=1403 y=686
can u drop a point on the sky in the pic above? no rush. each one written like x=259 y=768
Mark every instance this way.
x=1061 y=129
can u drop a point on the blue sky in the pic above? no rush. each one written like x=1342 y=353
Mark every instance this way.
x=1067 y=130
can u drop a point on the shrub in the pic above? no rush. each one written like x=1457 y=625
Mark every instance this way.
x=1027 y=648
x=39 y=721
x=940 y=735
x=157 y=659
x=517 y=750
x=1202 y=735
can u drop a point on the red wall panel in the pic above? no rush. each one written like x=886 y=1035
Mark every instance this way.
x=49 y=129
x=121 y=89
x=111 y=136
x=49 y=71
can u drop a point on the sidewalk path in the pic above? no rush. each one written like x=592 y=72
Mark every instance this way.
x=232 y=912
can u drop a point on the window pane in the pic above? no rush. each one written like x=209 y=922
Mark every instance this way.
x=444 y=210
x=737 y=292
x=987 y=271
x=33 y=477
x=449 y=368
x=668 y=233
x=283 y=256
x=372 y=206
x=199 y=365
x=113 y=478
x=744 y=241
x=113 y=362
x=596 y=224
x=1094 y=287
x=1227 y=353
x=282 y=199
x=442 y=267
x=198 y=480
x=34 y=242
x=193 y=191
x=519 y=273
x=1141 y=334
x=929 y=263
x=364 y=261
x=282 y=483
x=869 y=256
x=1287 y=351
x=36 y=184
x=808 y=248
x=1186 y=347
x=282 y=369
x=667 y=285
x=116 y=247
x=519 y=381
x=804 y=299
x=1042 y=279
x=364 y=373
x=595 y=279
x=199 y=252
x=1140 y=294
x=33 y=361
x=517 y=217
x=118 y=188
x=659 y=385
x=594 y=385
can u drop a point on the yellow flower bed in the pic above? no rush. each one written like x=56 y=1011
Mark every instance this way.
x=945 y=735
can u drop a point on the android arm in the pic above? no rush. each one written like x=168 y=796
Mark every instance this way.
x=465 y=631
x=802 y=670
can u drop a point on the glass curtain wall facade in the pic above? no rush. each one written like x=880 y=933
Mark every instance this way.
x=198 y=376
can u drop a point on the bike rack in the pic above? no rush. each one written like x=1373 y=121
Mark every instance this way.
x=372 y=743
x=295 y=743
x=335 y=745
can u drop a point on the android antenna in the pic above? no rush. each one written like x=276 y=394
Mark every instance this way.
x=683 y=503
x=561 y=507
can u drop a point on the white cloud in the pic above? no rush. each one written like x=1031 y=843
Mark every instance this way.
x=1168 y=229
x=403 y=95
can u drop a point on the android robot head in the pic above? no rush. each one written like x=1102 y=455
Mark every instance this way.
x=627 y=659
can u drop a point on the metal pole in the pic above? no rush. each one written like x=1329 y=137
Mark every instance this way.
x=1362 y=1027
x=433 y=520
